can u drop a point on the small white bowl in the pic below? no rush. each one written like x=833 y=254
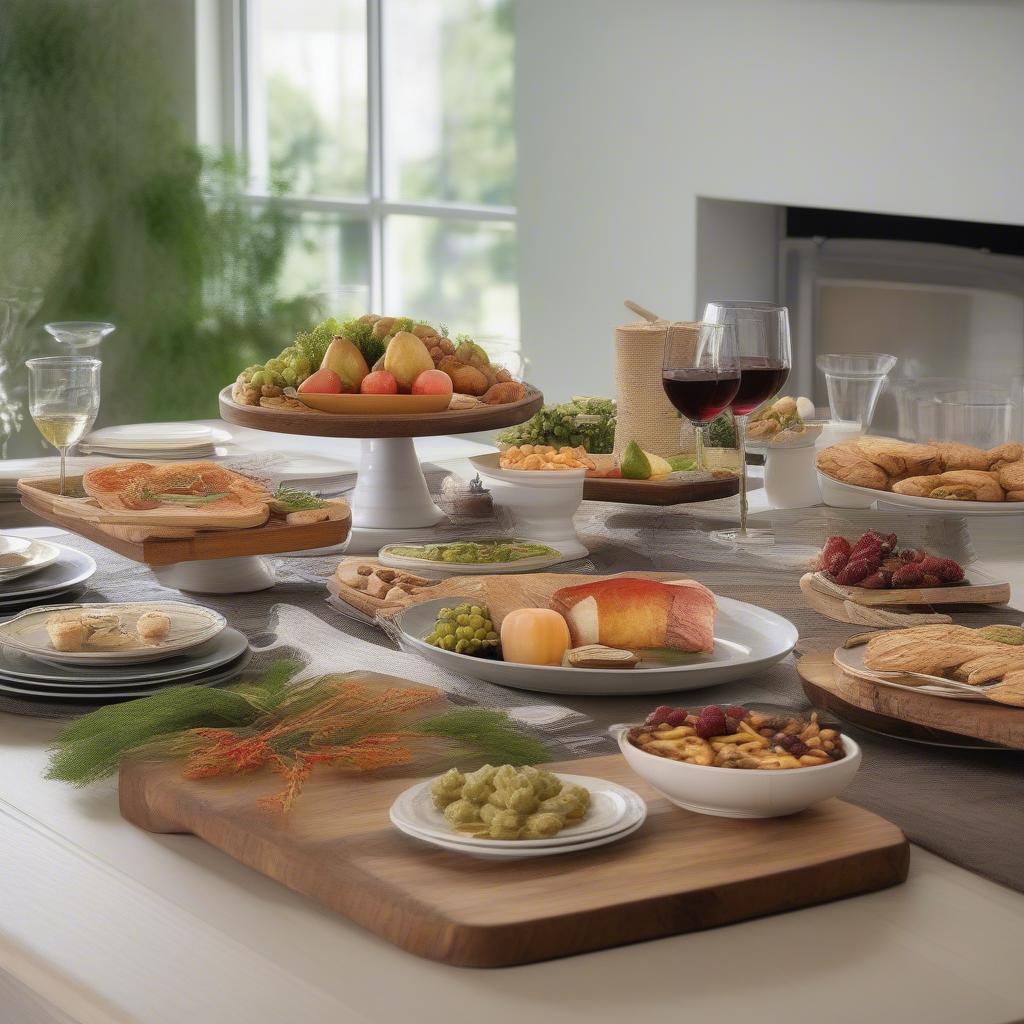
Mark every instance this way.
x=739 y=792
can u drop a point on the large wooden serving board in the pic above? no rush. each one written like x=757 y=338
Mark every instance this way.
x=420 y=424
x=680 y=872
x=659 y=492
x=134 y=542
x=907 y=712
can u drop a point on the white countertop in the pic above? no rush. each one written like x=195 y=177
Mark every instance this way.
x=102 y=922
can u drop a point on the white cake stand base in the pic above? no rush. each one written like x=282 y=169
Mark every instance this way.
x=217 y=575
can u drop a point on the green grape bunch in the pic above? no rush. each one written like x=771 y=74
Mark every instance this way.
x=584 y=422
x=464 y=629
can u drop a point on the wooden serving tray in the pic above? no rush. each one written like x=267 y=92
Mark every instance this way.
x=658 y=492
x=906 y=712
x=963 y=593
x=272 y=537
x=420 y=424
x=679 y=873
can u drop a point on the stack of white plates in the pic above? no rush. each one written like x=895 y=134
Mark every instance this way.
x=22 y=556
x=201 y=649
x=174 y=441
x=615 y=812
x=60 y=579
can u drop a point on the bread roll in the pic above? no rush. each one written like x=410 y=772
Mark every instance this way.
x=960 y=485
x=898 y=458
x=1011 y=476
x=845 y=462
x=961 y=456
x=634 y=614
x=1004 y=454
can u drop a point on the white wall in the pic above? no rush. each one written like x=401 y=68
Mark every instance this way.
x=628 y=110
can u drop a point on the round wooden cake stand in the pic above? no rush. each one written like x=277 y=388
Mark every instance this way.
x=391 y=502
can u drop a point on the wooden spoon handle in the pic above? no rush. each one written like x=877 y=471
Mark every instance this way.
x=646 y=314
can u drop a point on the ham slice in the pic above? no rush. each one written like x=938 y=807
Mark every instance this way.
x=634 y=614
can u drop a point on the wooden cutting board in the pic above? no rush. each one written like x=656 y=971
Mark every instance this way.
x=679 y=873
x=977 y=592
x=658 y=492
x=886 y=709
x=134 y=542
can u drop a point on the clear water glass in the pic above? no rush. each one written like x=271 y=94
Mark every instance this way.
x=854 y=383
x=982 y=417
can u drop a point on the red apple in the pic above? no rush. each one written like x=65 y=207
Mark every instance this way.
x=380 y=382
x=323 y=382
x=432 y=382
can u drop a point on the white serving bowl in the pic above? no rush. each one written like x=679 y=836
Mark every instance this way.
x=739 y=792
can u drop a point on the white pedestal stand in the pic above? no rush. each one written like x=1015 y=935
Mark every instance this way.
x=217 y=575
x=391 y=503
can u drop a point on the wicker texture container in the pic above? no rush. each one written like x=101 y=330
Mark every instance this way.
x=644 y=414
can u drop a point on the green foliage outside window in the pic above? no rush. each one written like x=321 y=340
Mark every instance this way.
x=110 y=208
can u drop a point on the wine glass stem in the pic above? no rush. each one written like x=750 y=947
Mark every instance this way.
x=698 y=445
x=63 y=456
x=741 y=434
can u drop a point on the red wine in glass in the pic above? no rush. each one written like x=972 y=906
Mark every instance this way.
x=760 y=379
x=700 y=394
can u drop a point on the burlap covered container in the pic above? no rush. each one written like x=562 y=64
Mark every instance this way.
x=644 y=414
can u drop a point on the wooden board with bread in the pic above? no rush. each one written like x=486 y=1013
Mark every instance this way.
x=183 y=512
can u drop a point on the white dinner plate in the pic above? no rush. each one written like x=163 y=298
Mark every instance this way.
x=620 y=810
x=612 y=809
x=486 y=851
x=747 y=639
x=92 y=695
x=36 y=555
x=839 y=494
x=71 y=569
x=386 y=557
x=851 y=660
x=191 y=625
x=225 y=647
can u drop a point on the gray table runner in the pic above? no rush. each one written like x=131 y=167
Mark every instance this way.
x=964 y=805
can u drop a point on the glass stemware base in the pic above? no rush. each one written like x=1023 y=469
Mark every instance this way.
x=741 y=538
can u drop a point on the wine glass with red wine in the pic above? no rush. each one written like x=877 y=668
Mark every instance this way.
x=700 y=374
x=763 y=348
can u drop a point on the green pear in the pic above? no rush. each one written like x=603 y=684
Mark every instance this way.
x=406 y=358
x=634 y=464
x=347 y=362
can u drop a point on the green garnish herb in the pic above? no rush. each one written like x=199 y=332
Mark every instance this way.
x=295 y=500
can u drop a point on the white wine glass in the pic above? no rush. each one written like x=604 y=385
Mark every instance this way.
x=63 y=399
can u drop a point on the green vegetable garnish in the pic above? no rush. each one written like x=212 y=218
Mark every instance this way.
x=586 y=422
x=190 y=499
x=297 y=501
x=474 y=552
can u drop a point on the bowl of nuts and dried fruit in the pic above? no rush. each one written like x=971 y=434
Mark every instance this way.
x=736 y=762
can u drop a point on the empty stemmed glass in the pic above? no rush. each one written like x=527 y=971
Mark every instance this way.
x=63 y=398
x=700 y=374
x=78 y=334
x=763 y=346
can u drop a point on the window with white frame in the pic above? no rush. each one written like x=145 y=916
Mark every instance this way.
x=388 y=127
